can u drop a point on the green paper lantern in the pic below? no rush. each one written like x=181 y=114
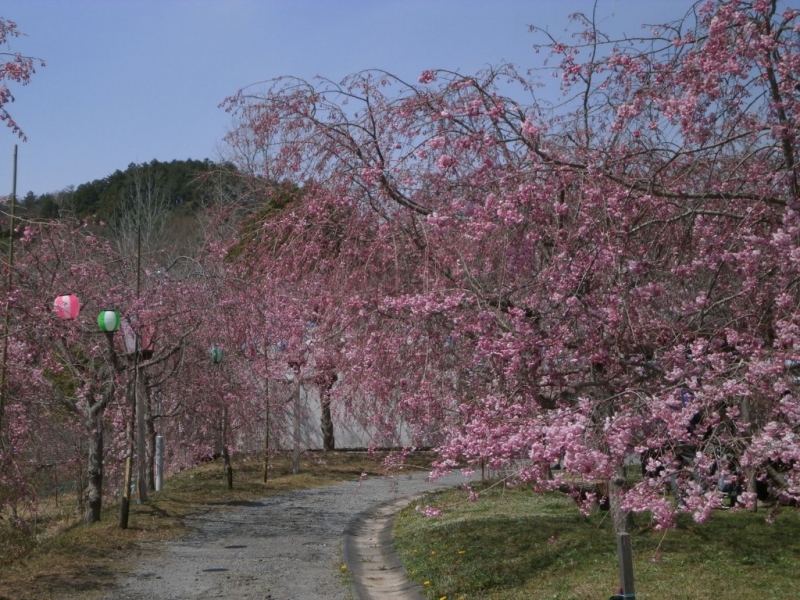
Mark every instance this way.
x=108 y=320
x=216 y=354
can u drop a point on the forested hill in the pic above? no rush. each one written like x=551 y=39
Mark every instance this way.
x=187 y=184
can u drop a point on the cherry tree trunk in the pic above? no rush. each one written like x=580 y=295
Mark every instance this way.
x=749 y=474
x=94 y=481
x=326 y=419
x=328 y=441
x=151 y=444
x=226 y=461
x=296 y=434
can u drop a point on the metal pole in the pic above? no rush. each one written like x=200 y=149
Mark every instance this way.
x=625 y=562
x=159 y=462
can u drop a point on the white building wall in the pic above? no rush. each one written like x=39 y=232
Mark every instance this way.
x=346 y=434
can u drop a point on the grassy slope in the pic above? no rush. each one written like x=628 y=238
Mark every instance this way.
x=513 y=544
x=83 y=561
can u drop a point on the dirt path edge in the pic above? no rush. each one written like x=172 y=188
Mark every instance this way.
x=376 y=572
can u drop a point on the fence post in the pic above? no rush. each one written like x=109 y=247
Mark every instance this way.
x=625 y=559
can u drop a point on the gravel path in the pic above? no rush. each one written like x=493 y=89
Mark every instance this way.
x=286 y=547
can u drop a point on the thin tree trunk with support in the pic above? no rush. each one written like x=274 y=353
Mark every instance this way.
x=150 y=430
x=295 y=366
x=226 y=458
x=141 y=437
x=266 y=427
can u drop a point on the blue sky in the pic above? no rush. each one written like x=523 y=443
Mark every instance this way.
x=136 y=80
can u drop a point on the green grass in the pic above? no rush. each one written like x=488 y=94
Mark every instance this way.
x=513 y=544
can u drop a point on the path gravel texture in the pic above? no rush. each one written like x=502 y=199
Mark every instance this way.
x=286 y=547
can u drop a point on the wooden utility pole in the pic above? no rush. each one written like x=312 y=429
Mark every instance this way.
x=125 y=497
x=266 y=408
x=137 y=414
x=9 y=280
x=141 y=396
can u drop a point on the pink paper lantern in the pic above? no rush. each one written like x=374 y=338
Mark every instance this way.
x=67 y=307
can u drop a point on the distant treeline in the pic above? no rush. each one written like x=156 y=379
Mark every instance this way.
x=186 y=184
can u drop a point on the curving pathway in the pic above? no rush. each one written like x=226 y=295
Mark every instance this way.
x=289 y=547
x=368 y=551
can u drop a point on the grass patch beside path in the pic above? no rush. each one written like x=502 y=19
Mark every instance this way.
x=513 y=544
x=83 y=561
